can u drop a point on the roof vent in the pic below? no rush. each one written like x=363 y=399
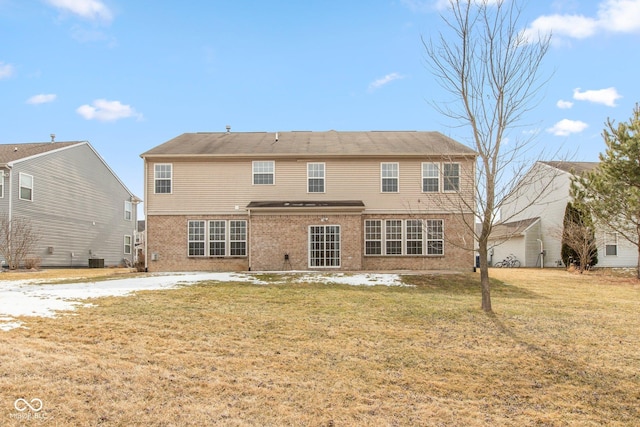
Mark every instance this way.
x=228 y=129
x=53 y=137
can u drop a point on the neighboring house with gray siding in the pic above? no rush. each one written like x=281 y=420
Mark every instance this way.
x=309 y=200
x=533 y=230
x=77 y=206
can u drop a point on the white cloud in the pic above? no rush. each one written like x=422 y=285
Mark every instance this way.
x=107 y=111
x=94 y=10
x=566 y=127
x=616 y=16
x=620 y=15
x=42 y=98
x=573 y=26
x=384 y=80
x=6 y=70
x=565 y=105
x=607 y=96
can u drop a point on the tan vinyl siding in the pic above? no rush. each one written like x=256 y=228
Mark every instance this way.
x=205 y=186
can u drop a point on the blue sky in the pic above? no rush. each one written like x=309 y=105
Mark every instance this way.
x=129 y=75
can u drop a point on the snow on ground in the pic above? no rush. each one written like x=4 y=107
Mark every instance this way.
x=39 y=298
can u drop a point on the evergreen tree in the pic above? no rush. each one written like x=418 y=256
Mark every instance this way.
x=612 y=190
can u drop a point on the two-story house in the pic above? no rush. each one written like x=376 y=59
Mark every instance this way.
x=534 y=215
x=78 y=209
x=309 y=200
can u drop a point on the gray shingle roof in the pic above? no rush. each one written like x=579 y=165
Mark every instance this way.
x=330 y=143
x=508 y=229
x=573 y=167
x=12 y=152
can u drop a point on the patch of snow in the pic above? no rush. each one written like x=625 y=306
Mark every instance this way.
x=38 y=298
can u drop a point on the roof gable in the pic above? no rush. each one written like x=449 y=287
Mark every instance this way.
x=573 y=167
x=14 y=152
x=330 y=143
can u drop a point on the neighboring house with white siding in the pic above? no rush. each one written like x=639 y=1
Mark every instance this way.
x=309 y=200
x=535 y=219
x=77 y=206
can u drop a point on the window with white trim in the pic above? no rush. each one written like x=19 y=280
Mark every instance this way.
x=127 y=245
x=217 y=238
x=610 y=244
x=373 y=237
x=435 y=236
x=451 y=176
x=237 y=238
x=264 y=172
x=389 y=175
x=393 y=237
x=324 y=246
x=1 y=183
x=128 y=210
x=315 y=177
x=162 y=176
x=430 y=178
x=196 y=238
x=26 y=186
x=414 y=236
x=404 y=237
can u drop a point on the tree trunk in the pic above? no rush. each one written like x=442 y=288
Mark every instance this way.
x=638 y=246
x=484 y=275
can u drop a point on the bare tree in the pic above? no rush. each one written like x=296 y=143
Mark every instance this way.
x=490 y=67
x=17 y=240
x=578 y=237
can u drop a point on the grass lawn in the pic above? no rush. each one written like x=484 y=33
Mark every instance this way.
x=561 y=349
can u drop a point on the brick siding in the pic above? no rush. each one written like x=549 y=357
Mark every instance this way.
x=270 y=237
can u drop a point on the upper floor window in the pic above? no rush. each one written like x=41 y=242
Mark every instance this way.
x=163 y=175
x=128 y=210
x=264 y=172
x=26 y=186
x=1 y=183
x=389 y=173
x=315 y=177
x=451 y=176
x=430 y=178
x=610 y=244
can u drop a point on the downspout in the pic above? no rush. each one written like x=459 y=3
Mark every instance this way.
x=134 y=251
x=541 y=253
x=10 y=215
x=146 y=222
x=10 y=193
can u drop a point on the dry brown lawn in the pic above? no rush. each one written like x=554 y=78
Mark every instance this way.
x=561 y=350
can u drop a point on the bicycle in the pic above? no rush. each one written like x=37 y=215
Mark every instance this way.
x=509 y=262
